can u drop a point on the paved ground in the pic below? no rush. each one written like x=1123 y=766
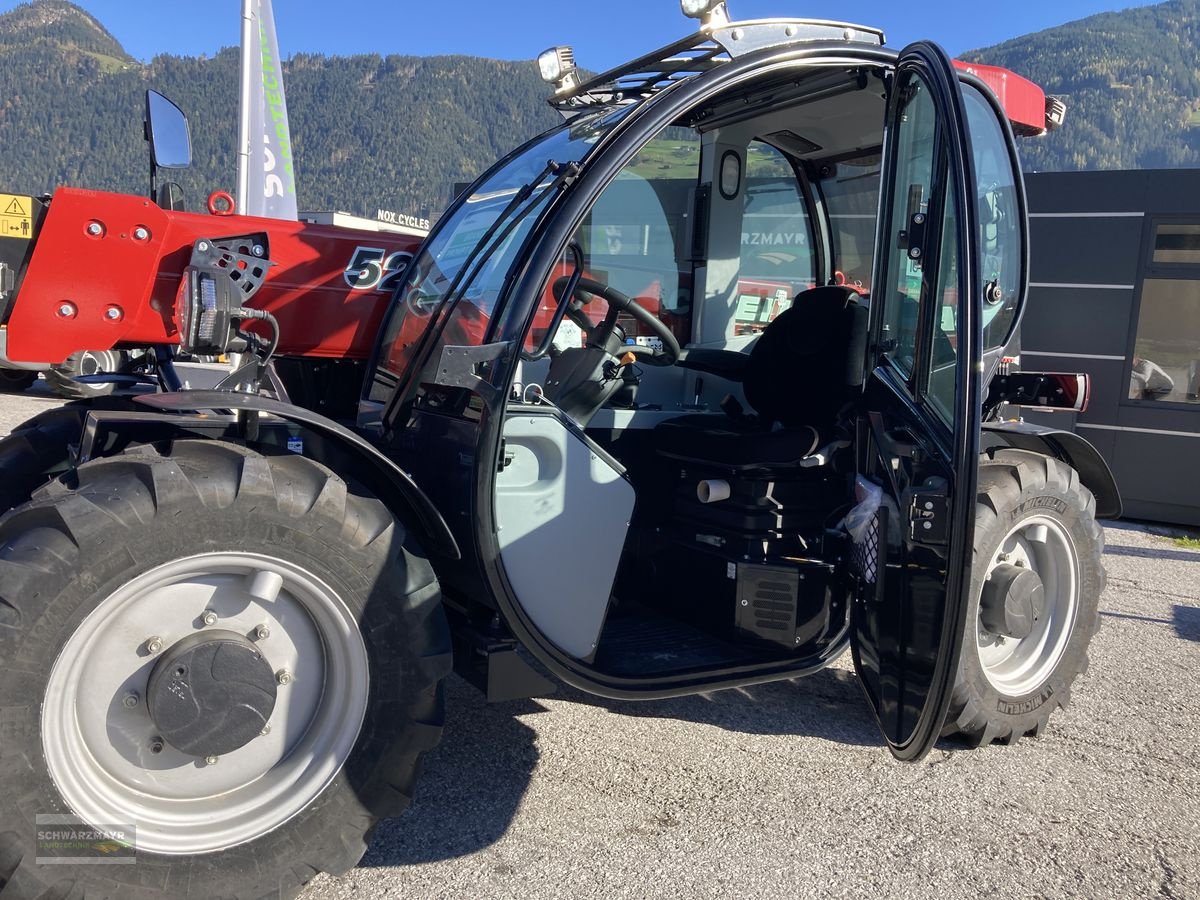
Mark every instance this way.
x=786 y=791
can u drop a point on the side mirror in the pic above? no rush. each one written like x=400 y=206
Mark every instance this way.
x=168 y=133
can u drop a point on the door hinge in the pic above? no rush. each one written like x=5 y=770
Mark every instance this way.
x=912 y=239
x=929 y=516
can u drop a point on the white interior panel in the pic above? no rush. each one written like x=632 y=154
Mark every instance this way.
x=562 y=512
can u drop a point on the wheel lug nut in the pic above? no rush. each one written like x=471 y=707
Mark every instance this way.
x=266 y=730
x=131 y=700
x=211 y=760
x=283 y=677
x=209 y=618
x=262 y=632
x=156 y=745
x=154 y=645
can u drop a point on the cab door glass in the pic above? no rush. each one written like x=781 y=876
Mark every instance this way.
x=777 y=260
x=910 y=240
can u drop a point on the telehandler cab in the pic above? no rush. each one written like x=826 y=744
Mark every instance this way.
x=696 y=390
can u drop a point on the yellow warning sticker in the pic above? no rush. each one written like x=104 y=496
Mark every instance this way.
x=16 y=216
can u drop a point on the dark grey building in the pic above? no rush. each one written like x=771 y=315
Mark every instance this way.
x=1115 y=292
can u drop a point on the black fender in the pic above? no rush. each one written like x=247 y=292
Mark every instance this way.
x=1075 y=451
x=391 y=484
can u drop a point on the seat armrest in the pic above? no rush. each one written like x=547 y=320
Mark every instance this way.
x=727 y=364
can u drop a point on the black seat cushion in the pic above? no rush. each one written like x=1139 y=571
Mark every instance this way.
x=800 y=375
x=803 y=366
x=737 y=443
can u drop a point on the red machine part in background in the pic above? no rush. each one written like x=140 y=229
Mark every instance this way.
x=1022 y=101
x=106 y=270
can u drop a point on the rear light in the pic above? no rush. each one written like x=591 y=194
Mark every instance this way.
x=1067 y=391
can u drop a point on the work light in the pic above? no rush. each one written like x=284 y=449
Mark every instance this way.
x=220 y=279
x=558 y=68
x=711 y=13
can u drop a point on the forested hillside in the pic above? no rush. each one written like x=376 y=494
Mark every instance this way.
x=1131 y=80
x=369 y=132
x=396 y=132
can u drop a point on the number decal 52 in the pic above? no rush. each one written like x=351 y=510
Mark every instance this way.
x=371 y=269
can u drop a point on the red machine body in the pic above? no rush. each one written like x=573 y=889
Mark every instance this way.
x=106 y=270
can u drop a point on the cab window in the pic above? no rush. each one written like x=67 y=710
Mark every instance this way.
x=1000 y=251
x=1000 y=244
x=636 y=239
x=777 y=260
x=850 y=189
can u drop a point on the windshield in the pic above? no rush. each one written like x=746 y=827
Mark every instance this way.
x=449 y=268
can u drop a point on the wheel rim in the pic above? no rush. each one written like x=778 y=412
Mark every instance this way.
x=100 y=741
x=97 y=362
x=1021 y=666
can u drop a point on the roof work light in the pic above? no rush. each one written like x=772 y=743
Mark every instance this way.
x=558 y=68
x=711 y=13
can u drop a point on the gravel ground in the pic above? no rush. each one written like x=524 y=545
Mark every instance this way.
x=787 y=790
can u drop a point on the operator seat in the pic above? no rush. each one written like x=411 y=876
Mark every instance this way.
x=802 y=371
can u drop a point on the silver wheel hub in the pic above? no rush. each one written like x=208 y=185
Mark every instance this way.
x=1028 y=606
x=108 y=755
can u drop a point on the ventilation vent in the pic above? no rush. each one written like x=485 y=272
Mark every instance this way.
x=766 y=598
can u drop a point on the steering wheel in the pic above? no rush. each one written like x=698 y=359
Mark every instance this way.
x=618 y=303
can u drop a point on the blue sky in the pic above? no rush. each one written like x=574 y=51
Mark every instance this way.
x=603 y=33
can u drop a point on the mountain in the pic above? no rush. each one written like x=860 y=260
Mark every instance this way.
x=369 y=132
x=1132 y=85
x=57 y=24
x=396 y=132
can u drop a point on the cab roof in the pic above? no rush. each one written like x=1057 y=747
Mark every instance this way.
x=702 y=52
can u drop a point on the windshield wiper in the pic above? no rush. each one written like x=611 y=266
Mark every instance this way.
x=515 y=213
x=564 y=174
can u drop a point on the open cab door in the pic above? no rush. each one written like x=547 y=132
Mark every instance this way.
x=919 y=434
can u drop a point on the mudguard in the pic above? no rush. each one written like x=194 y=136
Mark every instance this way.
x=397 y=489
x=1067 y=446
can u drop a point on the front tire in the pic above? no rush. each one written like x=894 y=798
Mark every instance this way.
x=43 y=448
x=349 y=611
x=1017 y=666
x=14 y=381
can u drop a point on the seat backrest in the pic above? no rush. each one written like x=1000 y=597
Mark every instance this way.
x=806 y=363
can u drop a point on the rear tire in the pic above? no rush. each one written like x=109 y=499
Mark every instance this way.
x=87 y=362
x=138 y=535
x=1032 y=513
x=14 y=381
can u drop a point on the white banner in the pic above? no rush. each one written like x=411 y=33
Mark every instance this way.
x=269 y=185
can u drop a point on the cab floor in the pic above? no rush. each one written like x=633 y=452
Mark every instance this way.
x=649 y=643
